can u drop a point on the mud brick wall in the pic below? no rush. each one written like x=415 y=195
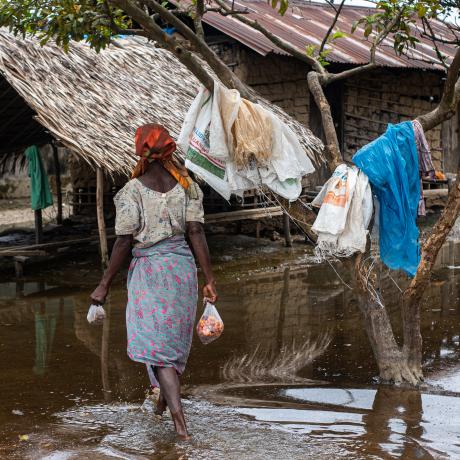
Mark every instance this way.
x=373 y=100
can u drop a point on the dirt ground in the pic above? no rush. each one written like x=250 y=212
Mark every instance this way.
x=17 y=213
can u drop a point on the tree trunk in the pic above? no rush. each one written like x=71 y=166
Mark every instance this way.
x=411 y=313
x=334 y=157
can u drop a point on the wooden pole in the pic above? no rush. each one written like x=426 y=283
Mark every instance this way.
x=57 y=174
x=38 y=226
x=100 y=217
x=287 y=230
x=105 y=347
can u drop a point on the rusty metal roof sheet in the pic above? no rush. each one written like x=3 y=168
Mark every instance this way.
x=306 y=23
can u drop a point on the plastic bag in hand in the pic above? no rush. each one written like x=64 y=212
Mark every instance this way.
x=210 y=326
x=96 y=314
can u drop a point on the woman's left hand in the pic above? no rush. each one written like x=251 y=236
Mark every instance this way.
x=99 y=294
x=210 y=292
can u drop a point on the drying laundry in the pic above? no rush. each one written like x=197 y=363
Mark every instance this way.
x=391 y=163
x=40 y=197
x=426 y=168
x=235 y=145
x=345 y=213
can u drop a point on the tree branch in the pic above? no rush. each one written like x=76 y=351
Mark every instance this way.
x=154 y=32
x=449 y=100
x=226 y=13
x=279 y=42
x=431 y=36
x=334 y=22
x=333 y=156
x=197 y=19
x=227 y=77
x=330 y=78
x=333 y=77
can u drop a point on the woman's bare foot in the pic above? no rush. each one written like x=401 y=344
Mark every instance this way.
x=180 y=426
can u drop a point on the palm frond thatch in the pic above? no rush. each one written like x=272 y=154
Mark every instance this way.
x=92 y=102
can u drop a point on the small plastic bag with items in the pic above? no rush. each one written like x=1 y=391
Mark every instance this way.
x=96 y=314
x=210 y=326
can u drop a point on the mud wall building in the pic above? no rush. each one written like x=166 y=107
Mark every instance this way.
x=399 y=89
x=362 y=106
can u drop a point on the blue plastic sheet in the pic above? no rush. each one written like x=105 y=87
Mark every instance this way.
x=391 y=163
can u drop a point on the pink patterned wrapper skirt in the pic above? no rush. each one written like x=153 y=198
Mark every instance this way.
x=161 y=309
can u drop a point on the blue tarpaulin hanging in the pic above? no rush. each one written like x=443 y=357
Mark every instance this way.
x=391 y=163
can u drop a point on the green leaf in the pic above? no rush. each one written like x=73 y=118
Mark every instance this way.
x=354 y=26
x=368 y=30
x=310 y=49
x=421 y=11
x=283 y=7
x=338 y=34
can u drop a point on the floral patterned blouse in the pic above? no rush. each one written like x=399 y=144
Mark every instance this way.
x=152 y=216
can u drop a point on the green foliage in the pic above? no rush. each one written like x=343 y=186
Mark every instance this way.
x=314 y=51
x=399 y=18
x=92 y=21
x=281 y=5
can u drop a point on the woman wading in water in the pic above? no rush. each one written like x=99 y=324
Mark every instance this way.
x=154 y=211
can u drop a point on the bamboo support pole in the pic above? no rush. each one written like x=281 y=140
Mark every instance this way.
x=57 y=173
x=38 y=226
x=100 y=217
x=287 y=230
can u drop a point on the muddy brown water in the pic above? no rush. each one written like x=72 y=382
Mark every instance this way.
x=292 y=377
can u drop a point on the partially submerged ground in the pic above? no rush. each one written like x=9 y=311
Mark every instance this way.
x=293 y=375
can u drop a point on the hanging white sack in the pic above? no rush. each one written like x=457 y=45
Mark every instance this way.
x=194 y=141
x=346 y=210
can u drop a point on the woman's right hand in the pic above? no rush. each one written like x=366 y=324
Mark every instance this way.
x=210 y=292
x=99 y=295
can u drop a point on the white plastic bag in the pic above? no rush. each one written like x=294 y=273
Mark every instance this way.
x=210 y=326
x=96 y=314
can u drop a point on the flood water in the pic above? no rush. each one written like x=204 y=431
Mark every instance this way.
x=292 y=377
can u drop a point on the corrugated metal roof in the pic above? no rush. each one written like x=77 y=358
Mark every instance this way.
x=306 y=23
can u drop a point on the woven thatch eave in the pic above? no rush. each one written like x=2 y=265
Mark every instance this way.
x=92 y=102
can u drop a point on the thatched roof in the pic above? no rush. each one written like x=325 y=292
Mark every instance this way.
x=92 y=102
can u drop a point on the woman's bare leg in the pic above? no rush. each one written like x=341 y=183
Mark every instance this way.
x=170 y=389
x=161 y=405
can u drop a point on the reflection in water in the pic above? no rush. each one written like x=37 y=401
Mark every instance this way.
x=45 y=328
x=266 y=365
x=281 y=327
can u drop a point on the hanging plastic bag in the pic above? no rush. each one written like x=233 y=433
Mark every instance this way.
x=96 y=314
x=210 y=326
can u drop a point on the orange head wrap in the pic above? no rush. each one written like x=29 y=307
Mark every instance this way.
x=153 y=142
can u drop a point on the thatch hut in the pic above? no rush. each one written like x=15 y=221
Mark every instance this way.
x=91 y=103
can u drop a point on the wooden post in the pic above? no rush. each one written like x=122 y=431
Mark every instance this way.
x=105 y=347
x=38 y=226
x=57 y=175
x=287 y=230
x=100 y=217
x=258 y=225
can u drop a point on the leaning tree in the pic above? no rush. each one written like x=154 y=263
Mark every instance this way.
x=98 y=21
